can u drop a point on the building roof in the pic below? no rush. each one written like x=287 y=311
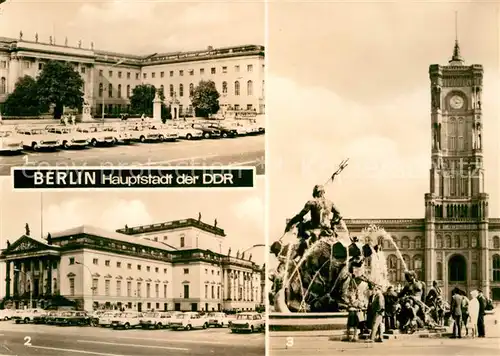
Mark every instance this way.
x=172 y=225
x=95 y=231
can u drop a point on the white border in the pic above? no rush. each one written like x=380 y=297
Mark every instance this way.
x=118 y=168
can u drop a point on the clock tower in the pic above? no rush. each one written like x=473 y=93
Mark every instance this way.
x=456 y=214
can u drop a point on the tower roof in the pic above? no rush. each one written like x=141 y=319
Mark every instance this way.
x=456 y=59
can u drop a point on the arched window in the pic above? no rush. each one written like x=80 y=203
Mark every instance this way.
x=418 y=266
x=110 y=90
x=418 y=242
x=439 y=241
x=405 y=243
x=249 y=88
x=392 y=264
x=496 y=268
x=100 y=89
x=439 y=267
x=473 y=271
x=191 y=89
x=496 y=242
x=119 y=90
x=128 y=91
x=456 y=241
x=453 y=134
x=473 y=241
x=224 y=87
x=171 y=90
x=448 y=241
x=3 y=85
x=465 y=241
x=236 y=88
x=181 y=90
x=461 y=133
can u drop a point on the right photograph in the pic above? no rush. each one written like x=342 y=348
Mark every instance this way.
x=383 y=220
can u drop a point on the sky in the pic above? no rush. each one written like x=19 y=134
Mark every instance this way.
x=137 y=26
x=350 y=80
x=239 y=212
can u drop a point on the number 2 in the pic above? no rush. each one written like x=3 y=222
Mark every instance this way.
x=27 y=341
x=289 y=342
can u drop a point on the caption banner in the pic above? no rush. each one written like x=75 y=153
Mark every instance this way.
x=60 y=178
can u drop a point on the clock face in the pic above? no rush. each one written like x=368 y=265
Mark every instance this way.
x=456 y=102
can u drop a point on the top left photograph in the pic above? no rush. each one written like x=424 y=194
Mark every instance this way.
x=121 y=83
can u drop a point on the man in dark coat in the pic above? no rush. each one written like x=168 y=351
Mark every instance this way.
x=481 y=332
x=456 y=312
x=391 y=300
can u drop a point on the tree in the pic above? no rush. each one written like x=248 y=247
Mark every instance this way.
x=142 y=98
x=60 y=85
x=24 y=100
x=205 y=98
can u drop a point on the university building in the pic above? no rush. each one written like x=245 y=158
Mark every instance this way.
x=238 y=73
x=177 y=265
x=457 y=243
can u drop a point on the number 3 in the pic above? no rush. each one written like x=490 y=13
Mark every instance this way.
x=27 y=341
x=289 y=342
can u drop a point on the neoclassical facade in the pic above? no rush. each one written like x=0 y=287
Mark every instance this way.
x=238 y=73
x=457 y=243
x=181 y=268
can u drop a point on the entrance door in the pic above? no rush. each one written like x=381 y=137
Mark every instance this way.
x=165 y=306
x=194 y=307
x=206 y=306
x=139 y=307
x=218 y=307
x=177 y=307
x=457 y=273
x=36 y=283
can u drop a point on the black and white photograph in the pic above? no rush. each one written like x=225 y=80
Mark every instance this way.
x=384 y=222
x=132 y=83
x=132 y=273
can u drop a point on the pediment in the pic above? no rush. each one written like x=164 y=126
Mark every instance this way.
x=139 y=279
x=184 y=282
x=119 y=277
x=71 y=275
x=129 y=278
x=157 y=281
x=26 y=243
x=96 y=275
x=166 y=282
x=108 y=276
x=149 y=280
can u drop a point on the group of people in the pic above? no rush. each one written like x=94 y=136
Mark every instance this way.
x=468 y=313
x=67 y=120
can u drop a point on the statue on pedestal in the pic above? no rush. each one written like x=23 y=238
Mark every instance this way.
x=36 y=37
x=20 y=35
x=80 y=44
x=92 y=45
x=66 y=41
x=50 y=40
x=27 y=229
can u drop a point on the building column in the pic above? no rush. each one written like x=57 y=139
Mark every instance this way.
x=41 y=275
x=32 y=279
x=23 y=277
x=485 y=259
x=16 y=280
x=49 y=276
x=7 y=279
x=13 y=75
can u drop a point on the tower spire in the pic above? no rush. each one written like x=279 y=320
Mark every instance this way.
x=456 y=59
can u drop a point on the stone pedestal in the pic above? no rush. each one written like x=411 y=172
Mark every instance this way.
x=157 y=108
x=174 y=111
x=86 y=115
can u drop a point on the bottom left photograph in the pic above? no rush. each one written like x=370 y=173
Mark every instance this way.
x=132 y=273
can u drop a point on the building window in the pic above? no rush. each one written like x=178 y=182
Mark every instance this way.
x=418 y=242
x=165 y=270
x=191 y=89
x=100 y=72
x=95 y=286
x=236 y=68
x=213 y=292
x=405 y=243
x=439 y=267
x=71 y=286
x=250 y=68
x=129 y=289
x=456 y=241
x=236 y=88
x=171 y=90
x=162 y=74
x=139 y=289
x=95 y=261
x=212 y=70
x=153 y=75
x=392 y=264
x=139 y=267
x=171 y=73
x=164 y=291
x=119 y=90
x=128 y=91
x=110 y=73
x=3 y=64
x=448 y=241
x=110 y=90
x=224 y=87
x=249 y=88
x=118 y=288
x=206 y=270
x=186 y=270
x=206 y=291
x=3 y=85
x=181 y=90
x=119 y=74
x=202 y=71
x=417 y=266
x=128 y=75
x=82 y=69
x=496 y=242
x=473 y=271
x=157 y=290
x=71 y=260
x=224 y=69
x=107 y=263
x=145 y=75
x=182 y=242
x=100 y=90
x=148 y=269
x=191 y=72
x=148 y=290
x=129 y=265
x=186 y=291
x=439 y=241
x=218 y=292
x=137 y=76
x=107 y=286
x=157 y=269
x=496 y=268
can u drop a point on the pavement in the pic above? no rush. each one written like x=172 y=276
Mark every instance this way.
x=47 y=340
x=240 y=151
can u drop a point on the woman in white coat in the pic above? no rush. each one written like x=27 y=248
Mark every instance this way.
x=473 y=312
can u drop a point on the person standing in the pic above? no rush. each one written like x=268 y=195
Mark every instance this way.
x=377 y=310
x=473 y=312
x=456 y=312
x=465 y=312
x=481 y=332
x=391 y=300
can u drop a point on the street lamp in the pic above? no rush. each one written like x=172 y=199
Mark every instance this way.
x=31 y=292
x=254 y=246
x=91 y=288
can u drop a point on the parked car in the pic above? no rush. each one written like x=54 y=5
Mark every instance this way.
x=188 y=132
x=168 y=133
x=73 y=318
x=68 y=137
x=127 y=320
x=208 y=132
x=50 y=318
x=219 y=320
x=144 y=134
x=106 y=318
x=189 y=321
x=41 y=318
x=225 y=130
x=7 y=314
x=121 y=133
x=27 y=315
x=155 y=320
x=97 y=135
x=240 y=129
x=10 y=141
x=37 y=139
x=248 y=322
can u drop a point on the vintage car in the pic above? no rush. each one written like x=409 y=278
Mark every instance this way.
x=105 y=319
x=73 y=318
x=7 y=314
x=27 y=315
x=127 y=320
x=155 y=320
x=189 y=321
x=37 y=139
x=225 y=130
x=68 y=137
x=208 y=132
x=188 y=133
x=50 y=318
x=10 y=141
x=41 y=318
x=240 y=129
x=252 y=128
x=248 y=322
x=121 y=133
x=218 y=319
x=166 y=132
x=145 y=134
x=173 y=316
x=97 y=135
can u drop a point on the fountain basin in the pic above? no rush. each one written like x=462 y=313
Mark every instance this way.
x=307 y=321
